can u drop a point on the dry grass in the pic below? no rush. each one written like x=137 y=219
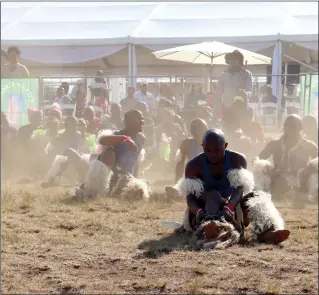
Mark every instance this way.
x=52 y=244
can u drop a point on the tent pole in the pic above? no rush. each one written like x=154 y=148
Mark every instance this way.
x=309 y=94
x=211 y=72
x=134 y=65
x=286 y=72
x=300 y=62
x=129 y=80
x=276 y=78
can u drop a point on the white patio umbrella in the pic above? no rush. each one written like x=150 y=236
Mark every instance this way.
x=212 y=53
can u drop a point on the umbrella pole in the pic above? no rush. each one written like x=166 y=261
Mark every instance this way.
x=211 y=73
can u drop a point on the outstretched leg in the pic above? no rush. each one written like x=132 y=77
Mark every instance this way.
x=267 y=224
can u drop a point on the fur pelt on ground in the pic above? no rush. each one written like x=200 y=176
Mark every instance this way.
x=261 y=175
x=124 y=185
x=263 y=214
x=96 y=181
x=227 y=236
x=56 y=167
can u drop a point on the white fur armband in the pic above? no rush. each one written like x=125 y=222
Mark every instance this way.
x=241 y=178
x=261 y=174
x=190 y=186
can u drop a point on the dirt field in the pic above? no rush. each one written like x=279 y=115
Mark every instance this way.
x=52 y=244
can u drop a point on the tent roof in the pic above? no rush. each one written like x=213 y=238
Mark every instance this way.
x=102 y=23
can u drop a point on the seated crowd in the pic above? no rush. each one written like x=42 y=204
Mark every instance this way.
x=108 y=156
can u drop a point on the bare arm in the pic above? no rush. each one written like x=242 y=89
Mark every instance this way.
x=267 y=151
x=112 y=140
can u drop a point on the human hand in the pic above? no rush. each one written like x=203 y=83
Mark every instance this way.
x=228 y=213
x=200 y=215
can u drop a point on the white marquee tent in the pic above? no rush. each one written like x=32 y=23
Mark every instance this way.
x=78 y=32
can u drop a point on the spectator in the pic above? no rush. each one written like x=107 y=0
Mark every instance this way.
x=235 y=82
x=162 y=104
x=66 y=87
x=194 y=97
x=310 y=128
x=25 y=131
x=143 y=108
x=55 y=112
x=165 y=93
x=60 y=97
x=115 y=121
x=144 y=96
x=128 y=103
x=6 y=129
x=13 y=69
x=99 y=92
x=79 y=96
x=269 y=97
x=252 y=128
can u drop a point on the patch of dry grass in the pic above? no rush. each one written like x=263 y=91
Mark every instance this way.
x=54 y=244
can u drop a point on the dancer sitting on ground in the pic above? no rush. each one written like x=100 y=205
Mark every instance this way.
x=217 y=184
x=124 y=146
x=189 y=149
x=121 y=153
x=291 y=153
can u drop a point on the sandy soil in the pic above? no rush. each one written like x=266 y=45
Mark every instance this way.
x=53 y=244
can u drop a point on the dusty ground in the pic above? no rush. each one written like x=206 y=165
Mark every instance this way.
x=51 y=244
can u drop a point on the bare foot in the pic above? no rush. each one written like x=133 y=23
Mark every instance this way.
x=274 y=237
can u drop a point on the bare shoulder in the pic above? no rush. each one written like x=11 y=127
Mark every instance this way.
x=194 y=166
x=238 y=160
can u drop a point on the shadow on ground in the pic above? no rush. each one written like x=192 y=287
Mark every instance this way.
x=156 y=248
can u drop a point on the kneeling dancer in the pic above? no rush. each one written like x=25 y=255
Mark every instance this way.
x=218 y=187
x=123 y=152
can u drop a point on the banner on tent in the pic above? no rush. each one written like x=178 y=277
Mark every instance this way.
x=17 y=95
